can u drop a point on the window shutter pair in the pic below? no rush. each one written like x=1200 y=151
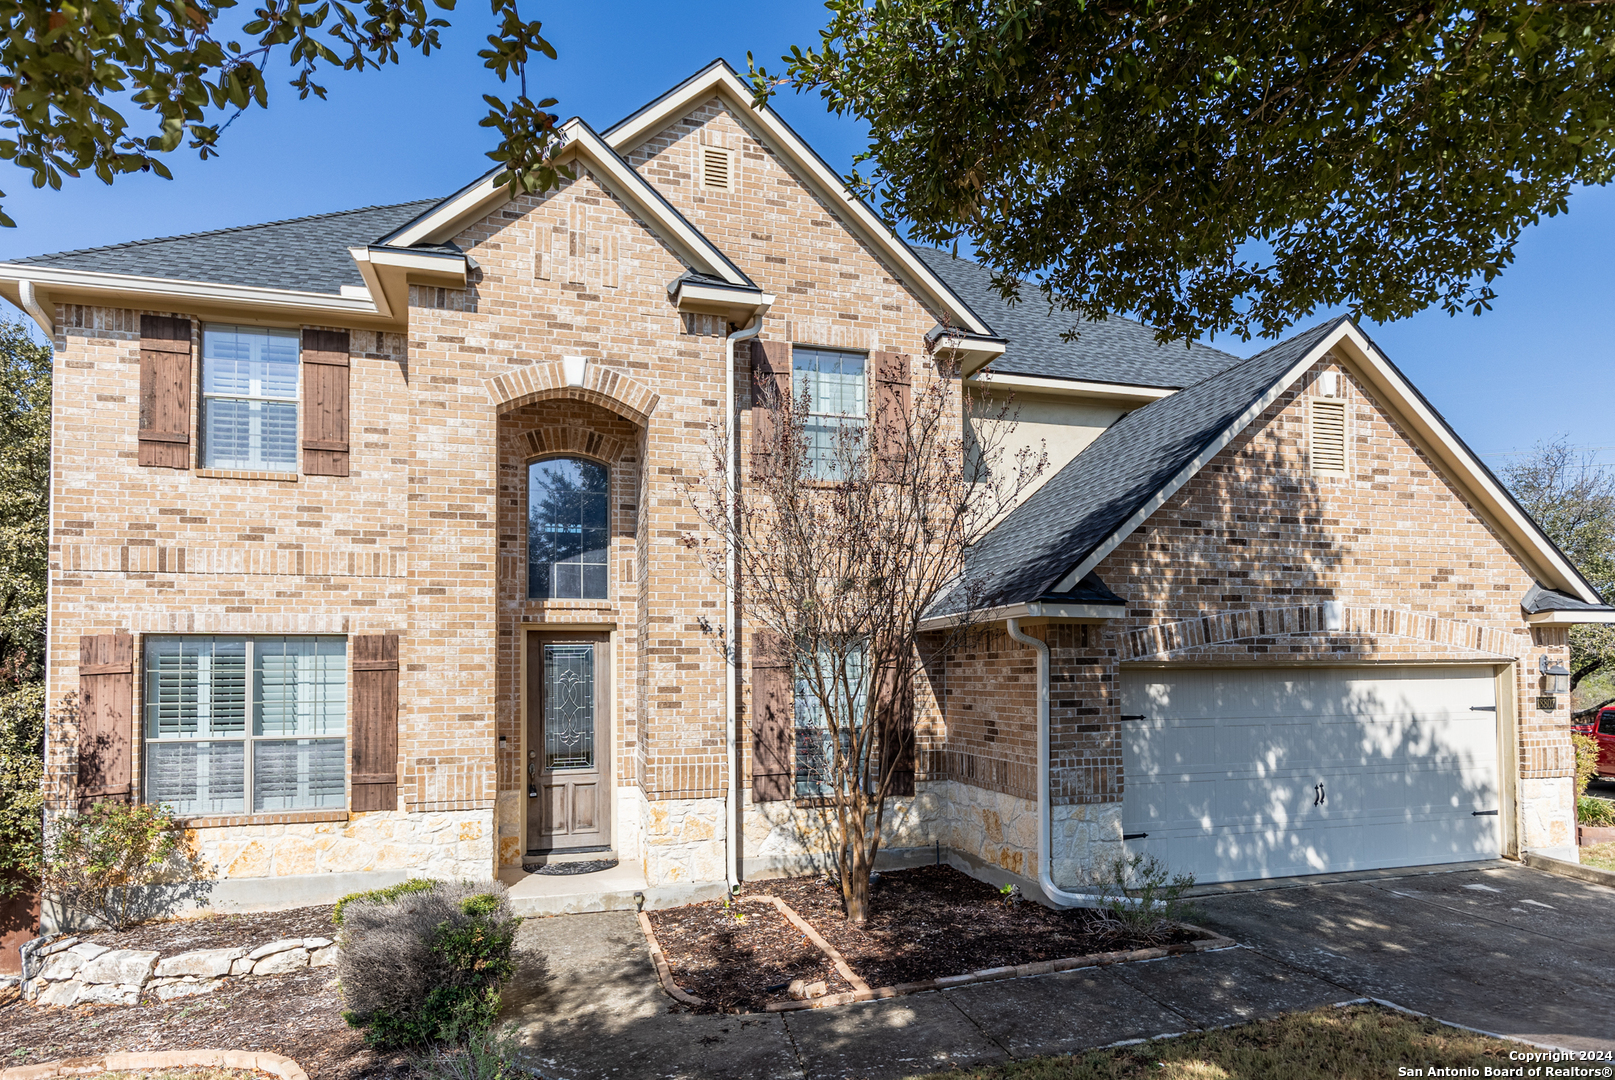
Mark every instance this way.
x=325 y=402
x=106 y=716
x=165 y=397
x=374 y=746
x=893 y=395
x=770 y=388
x=165 y=392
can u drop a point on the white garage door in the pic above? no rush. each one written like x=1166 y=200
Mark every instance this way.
x=1235 y=774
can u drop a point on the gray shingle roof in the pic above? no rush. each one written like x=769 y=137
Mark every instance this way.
x=309 y=254
x=1538 y=599
x=1066 y=519
x=1116 y=350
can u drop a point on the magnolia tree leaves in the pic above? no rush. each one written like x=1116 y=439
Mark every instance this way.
x=69 y=72
x=1224 y=167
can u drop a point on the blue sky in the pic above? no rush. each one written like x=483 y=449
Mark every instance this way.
x=1537 y=366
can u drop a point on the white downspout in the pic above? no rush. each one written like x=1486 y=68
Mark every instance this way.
x=1045 y=818
x=30 y=304
x=731 y=798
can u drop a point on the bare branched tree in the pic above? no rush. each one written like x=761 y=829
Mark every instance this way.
x=844 y=534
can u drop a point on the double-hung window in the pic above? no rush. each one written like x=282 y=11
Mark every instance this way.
x=835 y=387
x=249 y=398
x=234 y=723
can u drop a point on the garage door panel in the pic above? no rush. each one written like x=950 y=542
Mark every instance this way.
x=1222 y=773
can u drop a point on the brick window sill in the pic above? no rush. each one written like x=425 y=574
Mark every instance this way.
x=238 y=474
x=289 y=817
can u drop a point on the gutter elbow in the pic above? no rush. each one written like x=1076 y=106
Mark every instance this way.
x=30 y=304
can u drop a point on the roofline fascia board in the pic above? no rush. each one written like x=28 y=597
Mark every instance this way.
x=1570 y=618
x=484 y=195
x=697 y=294
x=719 y=78
x=1041 y=384
x=372 y=280
x=1434 y=432
x=1198 y=462
x=95 y=282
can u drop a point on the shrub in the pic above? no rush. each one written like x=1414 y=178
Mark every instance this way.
x=117 y=864
x=490 y=1055
x=1586 y=761
x=380 y=896
x=1141 y=894
x=427 y=964
x=1594 y=811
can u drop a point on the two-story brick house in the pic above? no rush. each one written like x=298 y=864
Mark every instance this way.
x=365 y=552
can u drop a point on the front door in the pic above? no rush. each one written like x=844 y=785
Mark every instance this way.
x=568 y=743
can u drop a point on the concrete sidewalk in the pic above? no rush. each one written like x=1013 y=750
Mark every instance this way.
x=1504 y=949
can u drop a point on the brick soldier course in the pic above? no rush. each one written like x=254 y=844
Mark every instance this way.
x=446 y=345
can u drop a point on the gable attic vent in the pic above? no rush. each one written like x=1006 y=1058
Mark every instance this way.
x=715 y=168
x=1328 y=436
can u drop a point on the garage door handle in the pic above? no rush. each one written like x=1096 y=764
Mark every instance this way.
x=1140 y=716
x=1134 y=835
x=1483 y=708
x=1483 y=813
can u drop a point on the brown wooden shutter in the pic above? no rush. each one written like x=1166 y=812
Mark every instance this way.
x=375 y=722
x=165 y=392
x=106 y=716
x=773 y=731
x=770 y=389
x=895 y=705
x=893 y=391
x=325 y=402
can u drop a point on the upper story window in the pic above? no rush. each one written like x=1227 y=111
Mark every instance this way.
x=568 y=529
x=238 y=722
x=249 y=398
x=835 y=386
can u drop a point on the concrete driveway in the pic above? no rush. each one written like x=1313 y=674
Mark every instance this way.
x=1504 y=949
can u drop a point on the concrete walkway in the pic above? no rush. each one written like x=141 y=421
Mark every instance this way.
x=1505 y=949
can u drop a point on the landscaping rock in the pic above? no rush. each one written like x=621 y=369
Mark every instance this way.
x=60 y=966
x=185 y=988
x=57 y=946
x=108 y=994
x=124 y=967
x=61 y=994
x=281 y=962
x=89 y=950
x=240 y=967
x=284 y=945
x=312 y=943
x=802 y=990
x=325 y=957
x=203 y=963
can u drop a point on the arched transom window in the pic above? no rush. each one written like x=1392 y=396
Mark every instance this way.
x=568 y=529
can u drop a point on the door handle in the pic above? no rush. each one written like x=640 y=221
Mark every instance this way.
x=1319 y=794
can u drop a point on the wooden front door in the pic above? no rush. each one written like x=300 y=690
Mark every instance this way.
x=568 y=742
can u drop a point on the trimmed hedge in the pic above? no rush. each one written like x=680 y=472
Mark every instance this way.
x=381 y=896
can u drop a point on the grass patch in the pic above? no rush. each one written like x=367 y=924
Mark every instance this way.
x=1600 y=855
x=1361 y=1042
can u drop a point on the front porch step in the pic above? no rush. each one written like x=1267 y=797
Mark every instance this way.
x=622 y=888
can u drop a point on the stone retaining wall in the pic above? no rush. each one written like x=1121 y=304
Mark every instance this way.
x=69 y=971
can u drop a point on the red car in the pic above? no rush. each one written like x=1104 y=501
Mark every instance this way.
x=1602 y=728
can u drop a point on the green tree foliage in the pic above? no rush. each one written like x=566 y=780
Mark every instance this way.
x=1219 y=167
x=24 y=521
x=70 y=72
x=1573 y=499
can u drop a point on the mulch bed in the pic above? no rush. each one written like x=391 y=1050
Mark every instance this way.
x=925 y=923
x=740 y=957
x=298 y=1015
x=219 y=931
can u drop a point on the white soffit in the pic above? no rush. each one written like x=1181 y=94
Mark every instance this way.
x=1430 y=432
x=1042 y=384
x=485 y=196
x=719 y=80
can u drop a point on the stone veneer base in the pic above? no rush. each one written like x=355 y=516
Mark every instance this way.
x=274 y=1064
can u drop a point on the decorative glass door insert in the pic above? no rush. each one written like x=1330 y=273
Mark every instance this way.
x=568 y=706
